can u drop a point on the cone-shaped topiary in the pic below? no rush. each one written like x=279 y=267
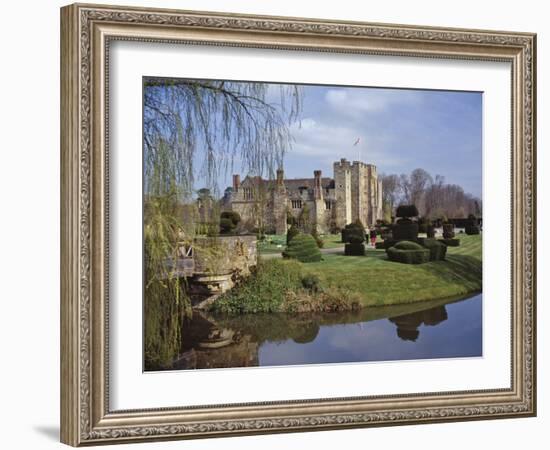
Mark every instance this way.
x=303 y=248
x=291 y=233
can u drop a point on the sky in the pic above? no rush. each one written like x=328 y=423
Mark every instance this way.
x=398 y=130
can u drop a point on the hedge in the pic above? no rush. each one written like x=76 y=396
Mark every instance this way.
x=450 y=242
x=303 y=248
x=471 y=229
x=418 y=256
x=438 y=250
x=353 y=232
x=354 y=249
x=405 y=230
x=406 y=211
x=448 y=230
x=408 y=245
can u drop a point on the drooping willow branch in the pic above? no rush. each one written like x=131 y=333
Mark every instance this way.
x=216 y=123
x=225 y=121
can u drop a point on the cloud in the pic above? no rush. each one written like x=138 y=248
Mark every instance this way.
x=355 y=101
x=328 y=142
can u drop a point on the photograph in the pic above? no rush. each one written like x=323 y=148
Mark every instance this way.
x=296 y=224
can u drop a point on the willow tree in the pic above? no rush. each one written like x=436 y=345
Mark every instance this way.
x=198 y=129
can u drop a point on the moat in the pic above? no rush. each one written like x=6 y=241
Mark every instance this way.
x=448 y=328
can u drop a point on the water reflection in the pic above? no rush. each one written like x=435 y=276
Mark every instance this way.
x=436 y=329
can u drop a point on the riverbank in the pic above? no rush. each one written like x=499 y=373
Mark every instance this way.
x=339 y=282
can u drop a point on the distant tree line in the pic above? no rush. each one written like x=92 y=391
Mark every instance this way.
x=433 y=197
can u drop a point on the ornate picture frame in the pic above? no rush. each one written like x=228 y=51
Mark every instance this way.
x=86 y=34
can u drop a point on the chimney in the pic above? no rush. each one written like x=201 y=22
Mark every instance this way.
x=236 y=182
x=317 y=188
x=280 y=176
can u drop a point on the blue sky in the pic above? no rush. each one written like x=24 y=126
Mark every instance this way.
x=399 y=130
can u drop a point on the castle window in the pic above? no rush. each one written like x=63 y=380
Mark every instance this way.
x=296 y=204
x=328 y=204
x=247 y=194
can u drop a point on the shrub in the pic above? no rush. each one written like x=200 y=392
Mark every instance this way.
x=292 y=231
x=471 y=225
x=448 y=231
x=407 y=245
x=472 y=229
x=422 y=225
x=405 y=230
x=320 y=243
x=406 y=211
x=354 y=232
x=437 y=249
x=417 y=256
x=380 y=245
x=226 y=226
x=264 y=290
x=450 y=242
x=234 y=216
x=303 y=248
x=430 y=231
x=354 y=249
x=312 y=283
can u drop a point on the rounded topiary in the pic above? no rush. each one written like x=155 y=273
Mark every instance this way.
x=405 y=231
x=437 y=249
x=226 y=226
x=406 y=211
x=291 y=233
x=452 y=242
x=448 y=231
x=229 y=221
x=303 y=248
x=409 y=256
x=408 y=245
x=354 y=249
x=353 y=232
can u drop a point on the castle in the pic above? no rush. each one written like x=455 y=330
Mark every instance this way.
x=354 y=192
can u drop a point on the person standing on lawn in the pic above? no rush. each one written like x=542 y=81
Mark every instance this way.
x=372 y=235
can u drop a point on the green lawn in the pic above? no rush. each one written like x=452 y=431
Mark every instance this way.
x=381 y=282
x=276 y=243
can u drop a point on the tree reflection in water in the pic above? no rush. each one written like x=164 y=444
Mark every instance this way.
x=407 y=325
x=213 y=341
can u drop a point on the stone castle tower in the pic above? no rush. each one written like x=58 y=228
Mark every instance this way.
x=355 y=192
x=358 y=193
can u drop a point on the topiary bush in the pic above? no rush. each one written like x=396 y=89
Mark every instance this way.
x=430 y=231
x=471 y=225
x=437 y=249
x=303 y=248
x=448 y=231
x=380 y=245
x=229 y=221
x=320 y=243
x=292 y=231
x=354 y=249
x=354 y=231
x=422 y=225
x=411 y=254
x=407 y=245
x=450 y=242
x=405 y=231
x=406 y=211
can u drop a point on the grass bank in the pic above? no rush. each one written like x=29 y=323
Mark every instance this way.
x=341 y=282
